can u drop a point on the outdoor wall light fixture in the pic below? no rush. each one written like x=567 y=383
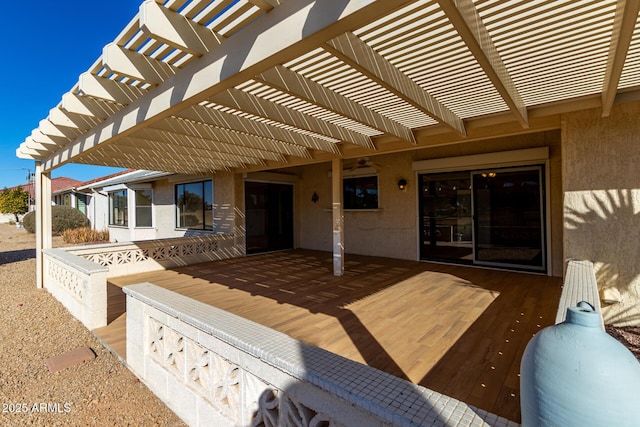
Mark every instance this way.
x=402 y=184
x=315 y=197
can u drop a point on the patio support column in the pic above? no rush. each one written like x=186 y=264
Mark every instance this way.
x=338 y=218
x=43 y=219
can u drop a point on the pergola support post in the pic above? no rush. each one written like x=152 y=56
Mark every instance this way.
x=43 y=220
x=338 y=218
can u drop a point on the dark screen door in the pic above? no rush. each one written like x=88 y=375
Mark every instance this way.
x=509 y=220
x=269 y=216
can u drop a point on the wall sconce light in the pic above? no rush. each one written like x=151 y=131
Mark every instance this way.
x=489 y=175
x=315 y=197
x=402 y=184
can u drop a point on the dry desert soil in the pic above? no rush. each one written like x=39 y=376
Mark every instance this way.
x=34 y=327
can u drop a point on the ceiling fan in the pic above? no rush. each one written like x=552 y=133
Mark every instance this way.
x=364 y=162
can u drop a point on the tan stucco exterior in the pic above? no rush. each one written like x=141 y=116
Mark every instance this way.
x=593 y=201
x=392 y=231
x=602 y=203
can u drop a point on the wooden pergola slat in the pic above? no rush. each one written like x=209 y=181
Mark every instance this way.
x=350 y=49
x=467 y=22
x=291 y=82
x=255 y=105
x=190 y=141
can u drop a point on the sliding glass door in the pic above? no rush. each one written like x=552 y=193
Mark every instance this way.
x=445 y=205
x=484 y=217
x=509 y=225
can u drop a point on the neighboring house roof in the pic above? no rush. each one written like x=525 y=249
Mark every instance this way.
x=127 y=177
x=63 y=184
x=58 y=185
x=103 y=178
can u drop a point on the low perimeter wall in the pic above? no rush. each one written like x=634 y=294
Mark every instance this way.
x=214 y=368
x=148 y=255
x=579 y=285
x=77 y=276
x=80 y=286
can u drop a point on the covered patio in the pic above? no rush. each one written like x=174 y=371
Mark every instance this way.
x=358 y=108
x=456 y=330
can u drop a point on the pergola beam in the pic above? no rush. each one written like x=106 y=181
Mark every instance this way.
x=195 y=155
x=213 y=134
x=34 y=151
x=41 y=138
x=141 y=162
x=87 y=106
x=292 y=28
x=183 y=139
x=265 y=5
x=623 y=26
x=245 y=125
x=46 y=127
x=362 y=57
x=467 y=21
x=79 y=123
x=137 y=66
x=154 y=155
x=176 y=139
x=233 y=137
x=297 y=85
x=252 y=104
x=175 y=29
x=109 y=90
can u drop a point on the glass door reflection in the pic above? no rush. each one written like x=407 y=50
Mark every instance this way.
x=509 y=222
x=446 y=225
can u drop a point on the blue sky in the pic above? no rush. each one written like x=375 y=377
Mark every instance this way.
x=46 y=46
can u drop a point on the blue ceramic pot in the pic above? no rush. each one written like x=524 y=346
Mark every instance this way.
x=575 y=374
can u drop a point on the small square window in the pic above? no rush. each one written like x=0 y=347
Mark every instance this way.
x=194 y=205
x=360 y=192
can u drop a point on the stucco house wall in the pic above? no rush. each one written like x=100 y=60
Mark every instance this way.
x=389 y=231
x=164 y=215
x=392 y=231
x=601 y=170
x=98 y=210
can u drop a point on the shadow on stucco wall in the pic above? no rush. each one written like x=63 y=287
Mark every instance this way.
x=604 y=227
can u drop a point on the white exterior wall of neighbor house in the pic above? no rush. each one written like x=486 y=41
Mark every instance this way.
x=164 y=215
x=164 y=209
x=602 y=204
x=7 y=218
x=392 y=231
x=98 y=210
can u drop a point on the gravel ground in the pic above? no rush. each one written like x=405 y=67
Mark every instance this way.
x=33 y=327
x=629 y=336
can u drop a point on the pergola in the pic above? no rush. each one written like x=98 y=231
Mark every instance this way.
x=200 y=86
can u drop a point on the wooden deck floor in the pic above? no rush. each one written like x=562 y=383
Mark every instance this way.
x=457 y=330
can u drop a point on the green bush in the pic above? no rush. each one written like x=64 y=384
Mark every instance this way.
x=62 y=218
x=29 y=222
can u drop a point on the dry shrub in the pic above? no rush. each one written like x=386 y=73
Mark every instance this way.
x=85 y=235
